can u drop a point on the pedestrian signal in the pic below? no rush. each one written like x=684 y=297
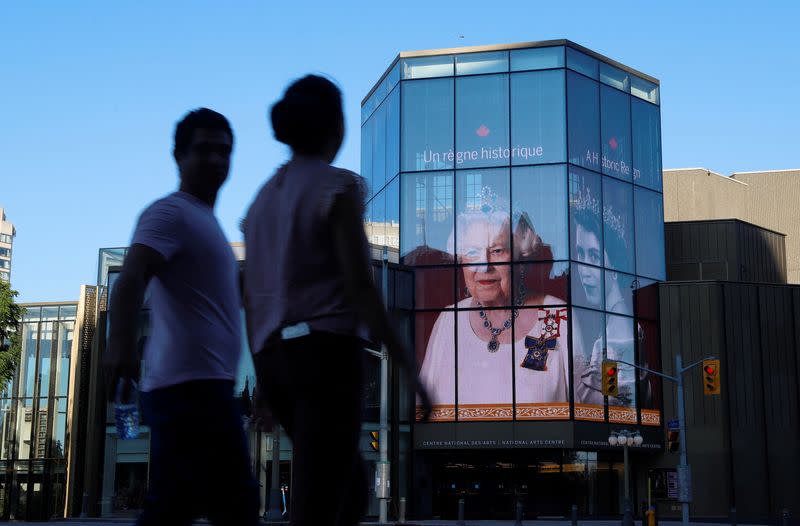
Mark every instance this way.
x=711 y=377
x=609 y=386
x=373 y=440
x=673 y=441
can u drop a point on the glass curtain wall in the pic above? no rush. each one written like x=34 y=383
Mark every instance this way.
x=526 y=185
x=33 y=416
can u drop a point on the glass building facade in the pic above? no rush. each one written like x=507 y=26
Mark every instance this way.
x=521 y=185
x=33 y=416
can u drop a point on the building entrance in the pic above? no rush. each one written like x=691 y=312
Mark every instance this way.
x=546 y=482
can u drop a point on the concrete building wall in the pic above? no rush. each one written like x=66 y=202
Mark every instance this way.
x=766 y=199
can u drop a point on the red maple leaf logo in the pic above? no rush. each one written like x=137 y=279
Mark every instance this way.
x=613 y=143
x=483 y=131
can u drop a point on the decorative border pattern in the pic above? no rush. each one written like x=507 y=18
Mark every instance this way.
x=548 y=411
x=622 y=415
x=650 y=417
x=593 y=412
x=440 y=413
x=485 y=412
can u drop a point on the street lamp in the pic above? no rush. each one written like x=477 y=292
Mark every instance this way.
x=626 y=439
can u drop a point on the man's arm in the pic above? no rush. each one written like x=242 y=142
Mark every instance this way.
x=122 y=357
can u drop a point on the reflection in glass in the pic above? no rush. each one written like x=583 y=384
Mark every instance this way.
x=581 y=63
x=482 y=121
x=586 y=227
x=435 y=350
x=615 y=77
x=615 y=133
x=378 y=130
x=483 y=230
x=476 y=63
x=27 y=373
x=45 y=348
x=427 y=125
x=587 y=286
x=425 y=67
x=620 y=346
x=375 y=225
x=540 y=195
x=646 y=123
x=68 y=311
x=366 y=156
x=49 y=313
x=618 y=225
x=427 y=217
x=588 y=341
x=540 y=283
x=583 y=116
x=393 y=134
x=619 y=292
x=538 y=127
x=541 y=363
x=644 y=89
x=537 y=58
x=392 y=230
x=649 y=234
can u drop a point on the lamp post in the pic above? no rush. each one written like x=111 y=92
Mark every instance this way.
x=626 y=439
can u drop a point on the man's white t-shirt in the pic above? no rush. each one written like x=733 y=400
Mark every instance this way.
x=194 y=300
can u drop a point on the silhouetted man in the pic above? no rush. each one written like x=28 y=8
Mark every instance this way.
x=198 y=455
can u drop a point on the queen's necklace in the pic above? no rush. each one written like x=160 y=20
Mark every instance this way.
x=493 y=344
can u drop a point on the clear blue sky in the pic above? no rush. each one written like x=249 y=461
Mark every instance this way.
x=91 y=91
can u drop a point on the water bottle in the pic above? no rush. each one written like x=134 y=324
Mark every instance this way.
x=126 y=412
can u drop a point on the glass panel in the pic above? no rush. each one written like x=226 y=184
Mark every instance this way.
x=646 y=144
x=45 y=357
x=538 y=127
x=649 y=234
x=581 y=63
x=425 y=67
x=540 y=283
x=537 y=58
x=49 y=313
x=27 y=374
x=586 y=230
x=485 y=364
x=588 y=341
x=650 y=388
x=65 y=335
x=482 y=118
x=68 y=311
x=393 y=219
x=483 y=231
x=376 y=226
x=541 y=364
x=427 y=125
x=615 y=77
x=618 y=225
x=435 y=350
x=427 y=218
x=620 y=346
x=474 y=63
x=644 y=90
x=393 y=134
x=378 y=130
x=366 y=156
x=7 y=429
x=583 y=115
x=484 y=285
x=615 y=132
x=59 y=436
x=619 y=292
x=434 y=287
x=32 y=313
x=24 y=429
x=587 y=286
x=540 y=212
x=394 y=76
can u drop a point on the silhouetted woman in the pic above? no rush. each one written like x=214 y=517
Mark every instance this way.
x=309 y=297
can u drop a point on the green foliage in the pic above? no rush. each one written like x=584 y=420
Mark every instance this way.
x=10 y=338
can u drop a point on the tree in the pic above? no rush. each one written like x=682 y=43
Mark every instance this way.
x=10 y=339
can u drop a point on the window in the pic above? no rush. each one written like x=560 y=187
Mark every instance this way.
x=4 y=263
x=5 y=252
x=5 y=238
x=475 y=63
x=583 y=115
x=537 y=58
x=540 y=202
x=646 y=123
x=582 y=63
x=588 y=341
x=393 y=134
x=538 y=127
x=366 y=156
x=427 y=125
x=649 y=234
x=426 y=67
x=615 y=133
x=483 y=230
x=618 y=225
x=4 y=275
x=482 y=121
x=644 y=89
x=585 y=205
x=427 y=217
x=615 y=77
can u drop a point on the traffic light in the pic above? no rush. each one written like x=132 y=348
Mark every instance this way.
x=373 y=440
x=711 y=377
x=609 y=386
x=673 y=443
